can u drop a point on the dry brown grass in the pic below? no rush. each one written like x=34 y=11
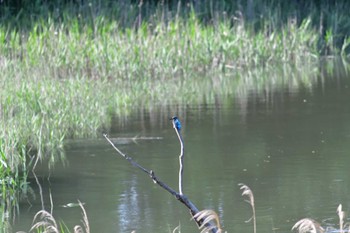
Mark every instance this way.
x=341 y=215
x=46 y=223
x=85 y=221
x=249 y=194
x=207 y=216
x=177 y=229
x=308 y=225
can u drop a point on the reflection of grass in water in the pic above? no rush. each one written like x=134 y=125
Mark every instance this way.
x=37 y=115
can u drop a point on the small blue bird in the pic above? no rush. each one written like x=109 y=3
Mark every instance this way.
x=176 y=122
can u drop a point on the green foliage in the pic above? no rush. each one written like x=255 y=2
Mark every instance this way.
x=259 y=15
x=75 y=74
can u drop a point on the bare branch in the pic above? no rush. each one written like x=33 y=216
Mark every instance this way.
x=179 y=196
x=177 y=128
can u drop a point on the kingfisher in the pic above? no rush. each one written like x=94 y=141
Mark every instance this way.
x=176 y=122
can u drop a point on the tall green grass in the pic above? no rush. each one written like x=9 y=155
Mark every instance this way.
x=329 y=19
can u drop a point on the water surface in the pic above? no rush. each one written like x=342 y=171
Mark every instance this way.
x=289 y=145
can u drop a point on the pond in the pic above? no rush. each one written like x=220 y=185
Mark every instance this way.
x=291 y=146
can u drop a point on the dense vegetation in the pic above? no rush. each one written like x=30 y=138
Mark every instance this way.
x=329 y=18
x=69 y=66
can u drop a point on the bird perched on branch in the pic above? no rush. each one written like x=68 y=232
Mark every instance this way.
x=176 y=123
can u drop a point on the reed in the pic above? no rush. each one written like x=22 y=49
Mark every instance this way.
x=310 y=225
x=247 y=192
x=341 y=215
x=45 y=222
x=206 y=216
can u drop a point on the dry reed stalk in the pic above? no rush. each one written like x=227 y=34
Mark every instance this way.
x=308 y=225
x=249 y=193
x=85 y=221
x=205 y=216
x=177 y=229
x=341 y=215
x=45 y=221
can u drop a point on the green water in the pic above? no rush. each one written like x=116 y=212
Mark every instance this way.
x=289 y=145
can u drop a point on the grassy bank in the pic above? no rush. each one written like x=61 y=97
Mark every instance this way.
x=65 y=75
